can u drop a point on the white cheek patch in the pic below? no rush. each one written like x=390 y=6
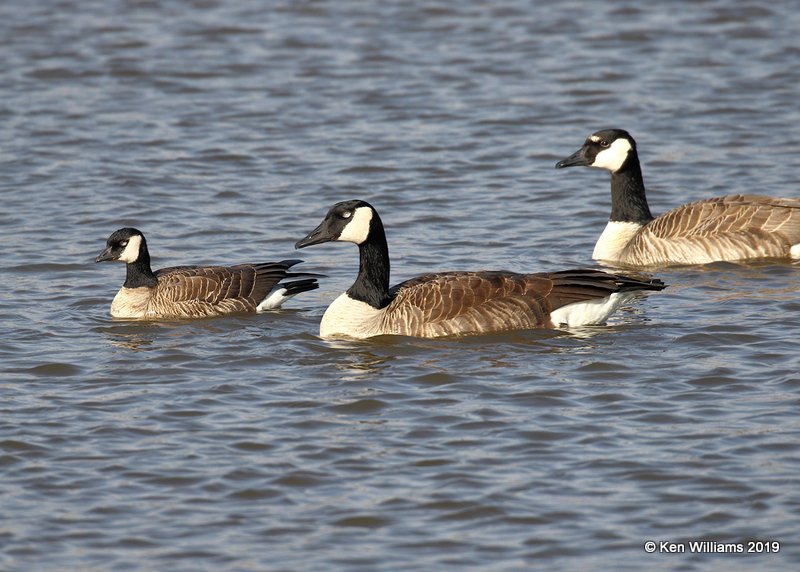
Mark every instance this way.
x=357 y=230
x=613 y=157
x=131 y=252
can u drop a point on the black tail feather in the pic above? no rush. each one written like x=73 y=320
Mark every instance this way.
x=298 y=286
x=600 y=279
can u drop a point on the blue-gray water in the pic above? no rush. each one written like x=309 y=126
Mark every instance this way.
x=224 y=130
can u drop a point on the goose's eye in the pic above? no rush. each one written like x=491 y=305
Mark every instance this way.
x=123 y=243
x=347 y=214
x=604 y=143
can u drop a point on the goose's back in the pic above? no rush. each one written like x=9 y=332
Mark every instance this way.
x=197 y=291
x=733 y=227
x=449 y=303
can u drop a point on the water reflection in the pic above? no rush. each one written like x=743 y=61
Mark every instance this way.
x=138 y=335
x=361 y=360
x=357 y=359
x=137 y=340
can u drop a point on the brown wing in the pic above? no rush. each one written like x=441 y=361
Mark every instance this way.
x=731 y=214
x=722 y=228
x=476 y=302
x=214 y=290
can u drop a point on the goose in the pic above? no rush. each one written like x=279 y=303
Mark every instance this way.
x=196 y=291
x=734 y=227
x=456 y=303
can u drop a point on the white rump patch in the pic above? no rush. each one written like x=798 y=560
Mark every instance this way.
x=274 y=299
x=615 y=238
x=794 y=251
x=357 y=230
x=131 y=252
x=613 y=157
x=590 y=313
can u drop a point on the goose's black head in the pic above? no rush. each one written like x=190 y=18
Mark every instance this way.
x=609 y=149
x=126 y=245
x=348 y=221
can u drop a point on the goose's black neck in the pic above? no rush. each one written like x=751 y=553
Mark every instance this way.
x=139 y=272
x=372 y=284
x=628 y=200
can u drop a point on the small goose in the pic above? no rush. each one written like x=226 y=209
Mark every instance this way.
x=734 y=227
x=451 y=303
x=196 y=291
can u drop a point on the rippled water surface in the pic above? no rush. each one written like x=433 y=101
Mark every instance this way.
x=224 y=130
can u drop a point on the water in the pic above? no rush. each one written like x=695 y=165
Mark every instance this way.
x=225 y=130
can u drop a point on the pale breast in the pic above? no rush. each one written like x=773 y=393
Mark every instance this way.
x=131 y=302
x=346 y=317
x=615 y=239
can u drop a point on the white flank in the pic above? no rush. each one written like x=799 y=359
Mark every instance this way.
x=589 y=313
x=616 y=236
x=613 y=157
x=357 y=230
x=352 y=318
x=274 y=299
x=794 y=251
x=131 y=252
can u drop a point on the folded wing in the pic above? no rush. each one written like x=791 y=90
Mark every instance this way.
x=478 y=302
x=214 y=290
x=722 y=228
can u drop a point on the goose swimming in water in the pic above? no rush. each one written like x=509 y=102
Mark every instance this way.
x=734 y=227
x=453 y=303
x=197 y=291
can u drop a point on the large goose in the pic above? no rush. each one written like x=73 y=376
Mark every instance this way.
x=196 y=291
x=735 y=227
x=450 y=303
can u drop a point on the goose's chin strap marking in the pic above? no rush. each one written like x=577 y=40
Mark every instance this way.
x=359 y=227
x=614 y=157
x=132 y=249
